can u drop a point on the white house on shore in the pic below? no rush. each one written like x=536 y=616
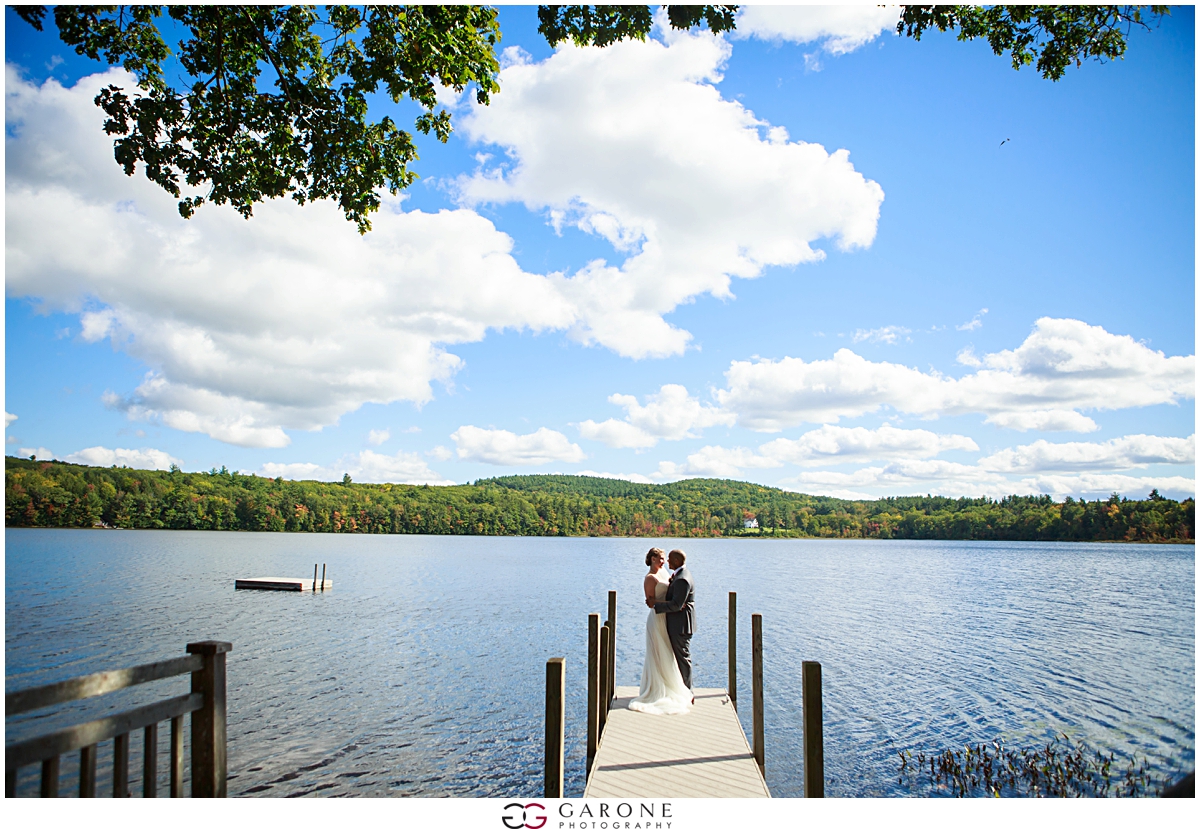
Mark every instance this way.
x=750 y=523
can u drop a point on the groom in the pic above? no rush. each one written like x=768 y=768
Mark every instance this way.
x=680 y=607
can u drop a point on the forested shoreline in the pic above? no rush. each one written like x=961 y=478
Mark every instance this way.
x=55 y=494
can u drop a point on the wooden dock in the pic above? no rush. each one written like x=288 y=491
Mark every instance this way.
x=700 y=754
x=703 y=753
x=282 y=583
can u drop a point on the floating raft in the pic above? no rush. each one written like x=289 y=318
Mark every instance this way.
x=281 y=583
x=703 y=753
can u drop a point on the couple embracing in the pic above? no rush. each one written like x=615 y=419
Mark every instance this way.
x=667 y=671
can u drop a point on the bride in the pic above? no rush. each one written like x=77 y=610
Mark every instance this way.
x=662 y=690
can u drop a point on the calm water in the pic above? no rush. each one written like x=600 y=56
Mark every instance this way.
x=421 y=673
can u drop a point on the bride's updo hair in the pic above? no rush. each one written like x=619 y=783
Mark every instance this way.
x=653 y=552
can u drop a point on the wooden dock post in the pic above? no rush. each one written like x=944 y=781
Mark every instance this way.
x=757 y=701
x=177 y=756
x=49 y=777
x=120 y=778
x=322 y=578
x=605 y=652
x=314 y=578
x=208 y=723
x=612 y=648
x=87 y=771
x=814 y=738
x=733 y=649
x=150 y=761
x=593 y=715
x=556 y=710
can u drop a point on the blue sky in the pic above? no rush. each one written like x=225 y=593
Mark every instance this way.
x=799 y=255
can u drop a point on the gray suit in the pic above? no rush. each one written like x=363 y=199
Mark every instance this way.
x=680 y=607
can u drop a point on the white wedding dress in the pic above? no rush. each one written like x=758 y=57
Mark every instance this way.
x=662 y=690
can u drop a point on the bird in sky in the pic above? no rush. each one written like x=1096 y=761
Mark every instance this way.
x=1005 y=141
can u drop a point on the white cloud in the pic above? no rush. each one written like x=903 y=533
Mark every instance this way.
x=251 y=329
x=717 y=462
x=8 y=419
x=375 y=437
x=514 y=56
x=770 y=395
x=617 y=433
x=1092 y=485
x=668 y=471
x=962 y=480
x=287 y=321
x=840 y=28
x=503 y=448
x=844 y=494
x=633 y=143
x=1075 y=469
x=366 y=467
x=837 y=444
x=41 y=452
x=669 y=414
x=974 y=323
x=440 y=453
x=827 y=445
x=909 y=477
x=133 y=458
x=1063 y=366
x=1065 y=359
x=1131 y=451
x=889 y=334
x=967 y=357
x=1053 y=420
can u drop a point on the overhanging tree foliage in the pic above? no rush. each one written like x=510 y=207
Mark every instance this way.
x=1053 y=36
x=310 y=137
x=604 y=25
x=274 y=99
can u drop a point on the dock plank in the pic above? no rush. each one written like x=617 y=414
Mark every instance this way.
x=703 y=753
x=280 y=583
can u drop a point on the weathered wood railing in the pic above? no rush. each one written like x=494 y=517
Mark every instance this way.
x=206 y=703
x=602 y=684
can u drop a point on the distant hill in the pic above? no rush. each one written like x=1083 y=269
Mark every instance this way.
x=55 y=494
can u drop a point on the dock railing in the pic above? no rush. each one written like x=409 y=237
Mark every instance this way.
x=206 y=703
x=602 y=684
x=601 y=687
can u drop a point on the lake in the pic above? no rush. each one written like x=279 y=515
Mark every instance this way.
x=422 y=672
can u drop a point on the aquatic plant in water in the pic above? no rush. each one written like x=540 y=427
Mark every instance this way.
x=1061 y=769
